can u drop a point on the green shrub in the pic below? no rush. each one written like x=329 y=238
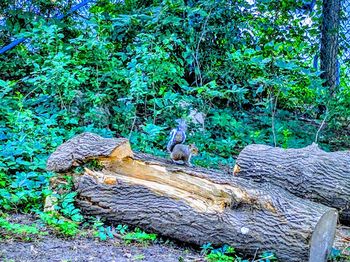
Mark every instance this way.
x=130 y=69
x=18 y=231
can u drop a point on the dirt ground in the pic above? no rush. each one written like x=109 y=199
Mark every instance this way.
x=342 y=239
x=87 y=248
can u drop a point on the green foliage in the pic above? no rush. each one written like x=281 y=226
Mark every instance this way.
x=219 y=257
x=101 y=231
x=66 y=218
x=104 y=232
x=60 y=224
x=122 y=229
x=130 y=69
x=227 y=253
x=92 y=164
x=222 y=254
x=206 y=248
x=18 y=231
x=139 y=236
x=267 y=257
x=339 y=255
x=138 y=257
x=31 y=128
x=65 y=206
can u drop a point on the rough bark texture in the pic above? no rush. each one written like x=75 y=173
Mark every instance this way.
x=198 y=205
x=308 y=172
x=82 y=148
x=329 y=42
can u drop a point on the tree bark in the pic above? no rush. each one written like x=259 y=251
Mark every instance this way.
x=329 y=42
x=309 y=173
x=196 y=205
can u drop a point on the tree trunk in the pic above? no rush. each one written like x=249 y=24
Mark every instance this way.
x=309 y=173
x=329 y=42
x=195 y=205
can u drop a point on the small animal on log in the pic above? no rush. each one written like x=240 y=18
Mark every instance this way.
x=184 y=153
x=177 y=135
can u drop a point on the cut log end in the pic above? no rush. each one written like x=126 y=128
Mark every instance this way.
x=323 y=236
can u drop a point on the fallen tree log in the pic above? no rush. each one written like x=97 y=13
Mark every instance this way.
x=194 y=205
x=309 y=173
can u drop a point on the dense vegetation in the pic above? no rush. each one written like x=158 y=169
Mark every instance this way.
x=239 y=73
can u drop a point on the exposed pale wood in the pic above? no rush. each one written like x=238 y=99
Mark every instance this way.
x=308 y=172
x=198 y=205
x=84 y=147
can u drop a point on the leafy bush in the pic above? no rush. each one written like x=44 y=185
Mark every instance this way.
x=238 y=73
x=60 y=224
x=18 y=231
x=227 y=253
x=223 y=254
x=339 y=255
x=139 y=236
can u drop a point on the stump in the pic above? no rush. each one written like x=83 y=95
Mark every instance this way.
x=309 y=173
x=194 y=205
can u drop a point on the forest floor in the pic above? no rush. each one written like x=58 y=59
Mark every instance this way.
x=342 y=239
x=88 y=248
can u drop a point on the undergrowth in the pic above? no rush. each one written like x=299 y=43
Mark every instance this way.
x=227 y=253
x=130 y=69
x=18 y=231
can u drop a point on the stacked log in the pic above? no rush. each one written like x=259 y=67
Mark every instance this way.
x=309 y=173
x=194 y=205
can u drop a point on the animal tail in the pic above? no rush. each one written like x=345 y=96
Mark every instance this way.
x=181 y=124
x=171 y=143
x=170 y=146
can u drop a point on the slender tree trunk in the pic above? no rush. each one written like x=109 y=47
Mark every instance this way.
x=329 y=42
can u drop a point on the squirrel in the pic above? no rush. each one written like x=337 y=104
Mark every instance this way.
x=177 y=135
x=184 y=153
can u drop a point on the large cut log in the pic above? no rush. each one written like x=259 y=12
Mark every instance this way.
x=195 y=205
x=308 y=172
